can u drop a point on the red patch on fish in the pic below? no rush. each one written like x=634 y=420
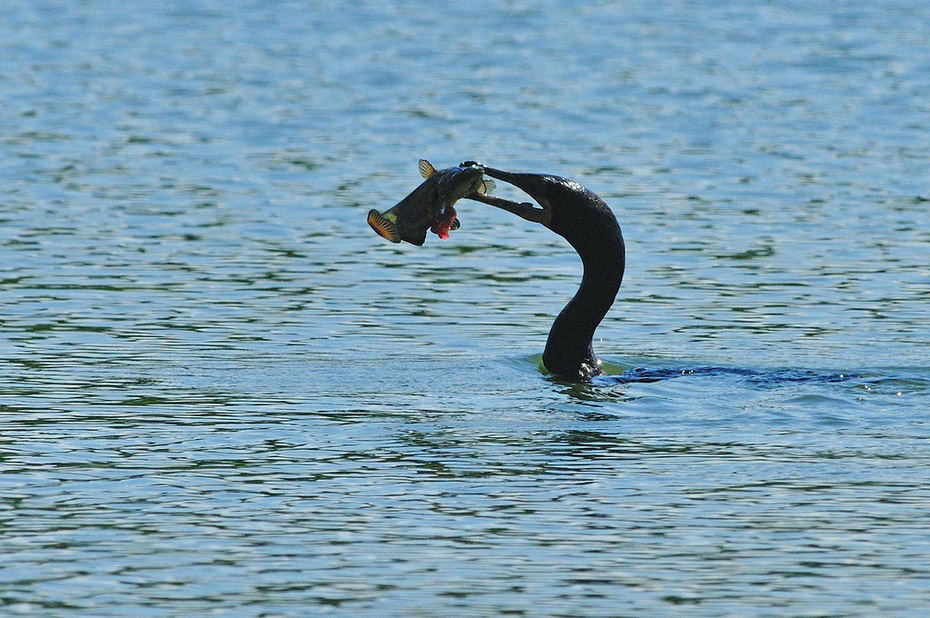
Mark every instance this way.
x=444 y=223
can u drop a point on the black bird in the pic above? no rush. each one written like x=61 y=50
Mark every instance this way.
x=587 y=223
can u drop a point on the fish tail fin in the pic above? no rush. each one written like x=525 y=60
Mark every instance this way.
x=385 y=228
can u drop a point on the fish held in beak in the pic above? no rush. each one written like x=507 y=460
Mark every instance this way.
x=431 y=205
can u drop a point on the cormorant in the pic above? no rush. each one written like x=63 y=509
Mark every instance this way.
x=590 y=227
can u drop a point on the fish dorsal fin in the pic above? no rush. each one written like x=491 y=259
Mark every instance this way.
x=426 y=168
x=487 y=185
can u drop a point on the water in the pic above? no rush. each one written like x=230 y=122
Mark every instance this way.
x=221 y=392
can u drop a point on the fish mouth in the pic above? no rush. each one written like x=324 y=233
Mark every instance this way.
x=461 y=182
x=383 y=226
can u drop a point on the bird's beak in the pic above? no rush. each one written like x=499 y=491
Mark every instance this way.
x=531 y=184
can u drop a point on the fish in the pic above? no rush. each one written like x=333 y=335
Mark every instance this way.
x=431 y=206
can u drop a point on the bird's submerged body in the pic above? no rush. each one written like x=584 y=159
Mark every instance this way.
x=588 y=224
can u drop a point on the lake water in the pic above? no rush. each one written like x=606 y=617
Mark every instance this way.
x=221 y=392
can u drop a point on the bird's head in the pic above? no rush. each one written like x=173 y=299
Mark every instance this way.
x=564 y=206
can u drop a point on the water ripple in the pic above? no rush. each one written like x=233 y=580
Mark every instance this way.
x=219 y=392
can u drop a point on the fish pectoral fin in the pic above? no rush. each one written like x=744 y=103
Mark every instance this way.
x=487 y=185
x=426 y=168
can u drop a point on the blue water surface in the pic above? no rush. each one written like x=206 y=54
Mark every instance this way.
x=220 y=392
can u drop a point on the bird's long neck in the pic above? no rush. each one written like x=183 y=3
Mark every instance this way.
x=569 y=350
x=588 y=224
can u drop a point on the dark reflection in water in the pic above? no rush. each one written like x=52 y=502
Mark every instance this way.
x=756 y=377
x=219 y=392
